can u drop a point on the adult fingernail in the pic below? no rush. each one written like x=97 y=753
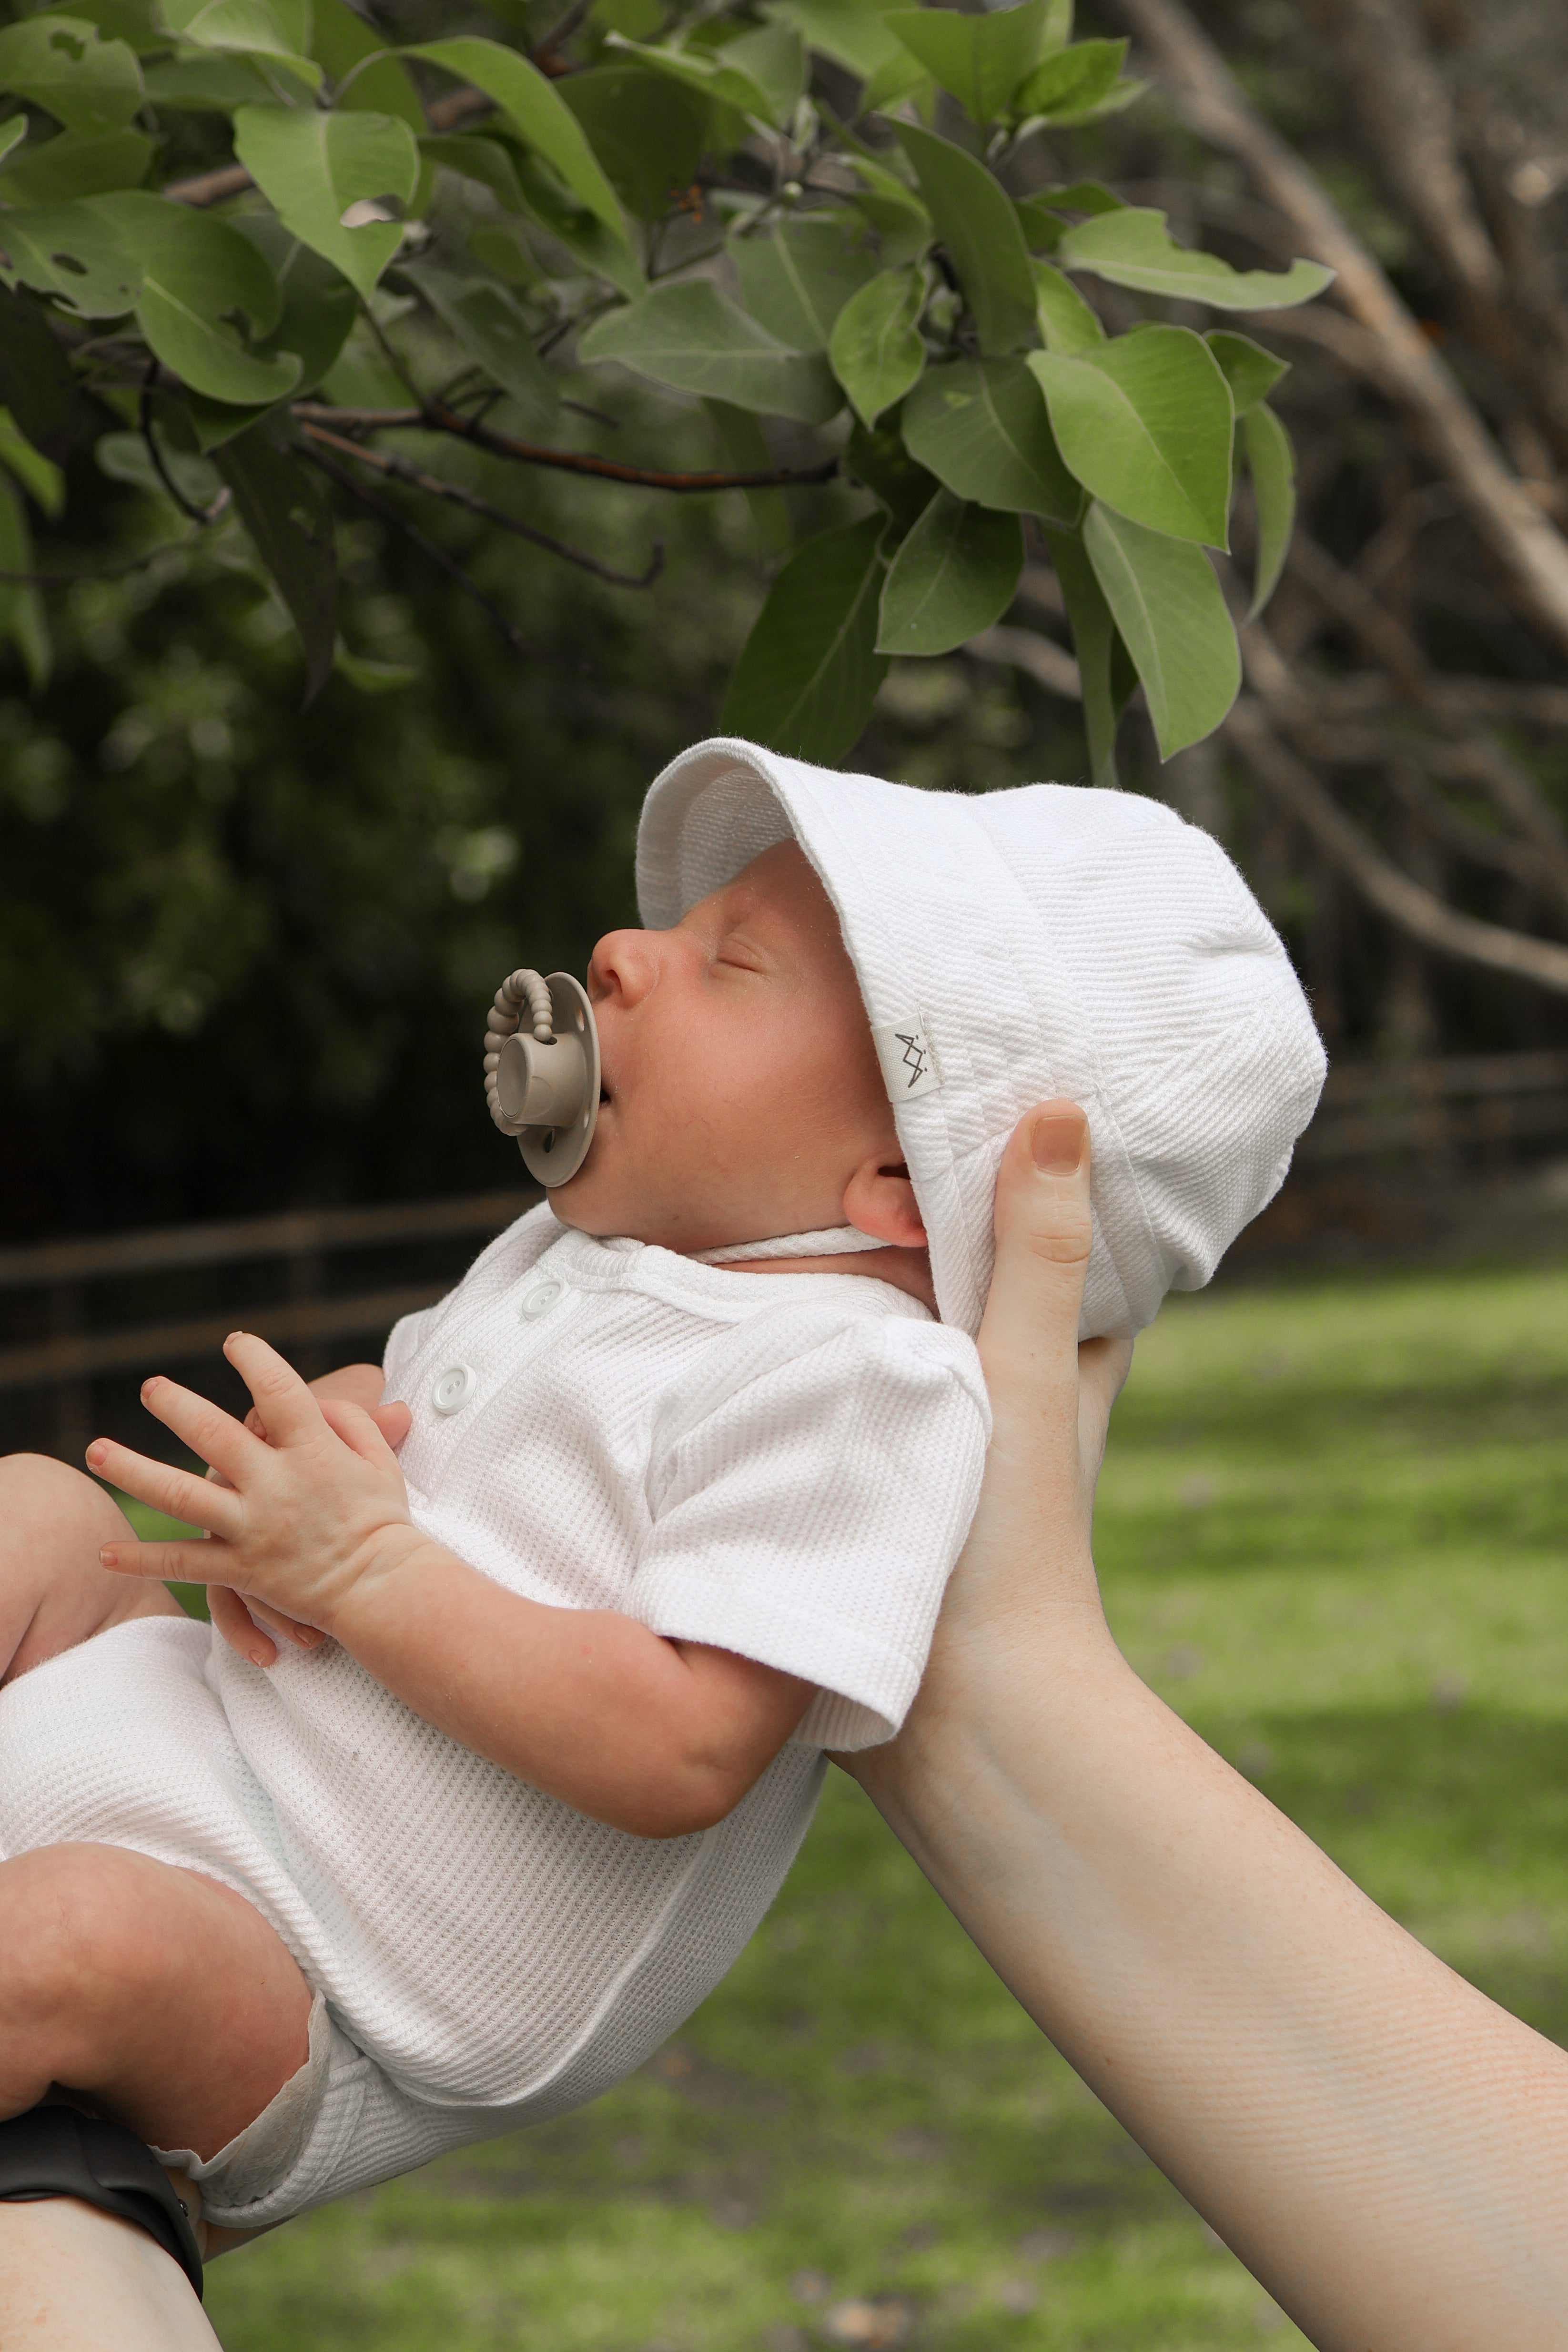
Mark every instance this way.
x=1057 y=1144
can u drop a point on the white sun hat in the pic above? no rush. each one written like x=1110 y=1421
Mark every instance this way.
x=1012 y=946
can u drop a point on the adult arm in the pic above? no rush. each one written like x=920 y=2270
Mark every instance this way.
x=1384 y=2149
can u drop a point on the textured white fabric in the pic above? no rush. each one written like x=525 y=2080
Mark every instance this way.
x=1017 y=945
x=832 y=1241
x=785 y=1465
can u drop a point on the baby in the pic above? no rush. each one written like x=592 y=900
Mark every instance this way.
x=507 y=1749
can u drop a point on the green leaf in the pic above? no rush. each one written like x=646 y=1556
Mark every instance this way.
x=899 y=78
x=488 y=322
x=319 y=308
x=1172 y=616
x=796 y=279
x=878 y=458
x=743 y=449
x=979 y=59
x=39 y=476
x=1271 y=462
x=371 y=676
x=850 y=32
x=537 y=115
x=487 y=161
x=69 y=251
x=981 y=427
x=550 y=203
x=693 y=339
x=976 y=221
x=772 y=55
x=199 y=276
x=1066 y=320
x=877 y=351
x=315 y=167
x=1097 y=646
x=341 y=40
x=22 y=620
x=12 y=134
x=135 y=22
x=953 y=576
x=702 y=70
x=205 y=85
x=808 y=672
x=291 y=528
x=1072 y=86
x=35 y=381
x=276 y=29
x=76 y=164
x=1134 y=247
x=64 y=65
x=646 y=130
x=1249 y=370
x=1145 y=424
x=123 y=457
x=901 y=221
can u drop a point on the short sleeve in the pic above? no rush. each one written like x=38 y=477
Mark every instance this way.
x=810 y=1494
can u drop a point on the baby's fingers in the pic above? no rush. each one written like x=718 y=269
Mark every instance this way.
x=361 y=1430
x=166 y=1563
x=288 y=1410
x=234 y=1622
x=157 y=1484
x=204 y=1426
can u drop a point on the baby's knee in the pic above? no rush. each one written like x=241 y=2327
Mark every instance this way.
x=44 y=1501
x=75 y=1939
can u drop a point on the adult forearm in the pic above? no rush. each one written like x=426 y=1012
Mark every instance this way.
x=1385 y=2148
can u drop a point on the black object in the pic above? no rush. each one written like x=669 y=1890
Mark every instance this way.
x=53 y=2151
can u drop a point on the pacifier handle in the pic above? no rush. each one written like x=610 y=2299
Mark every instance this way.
x=543 y=1088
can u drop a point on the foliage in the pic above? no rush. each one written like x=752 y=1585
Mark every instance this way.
x=1329 y=1533
x=778 y=211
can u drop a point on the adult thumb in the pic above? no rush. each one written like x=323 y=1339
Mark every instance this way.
x=1044 y=1229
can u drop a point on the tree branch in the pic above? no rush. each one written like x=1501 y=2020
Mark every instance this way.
x=400 y=469
x=1211 y=99
x=427 y=547
x=1418 y=912
x=1049 y=664
x=439 y=418
x=232 y=179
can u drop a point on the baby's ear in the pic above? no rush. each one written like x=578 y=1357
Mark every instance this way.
x=879 y=1199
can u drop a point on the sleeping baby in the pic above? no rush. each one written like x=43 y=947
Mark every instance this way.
x=528 y=1646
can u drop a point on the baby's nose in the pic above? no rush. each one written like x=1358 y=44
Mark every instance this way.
x=624 y=966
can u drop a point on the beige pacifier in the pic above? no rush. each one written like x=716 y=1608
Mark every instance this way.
x=544 y=1087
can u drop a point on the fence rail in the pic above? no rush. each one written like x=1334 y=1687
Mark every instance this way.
x=1488 y=1103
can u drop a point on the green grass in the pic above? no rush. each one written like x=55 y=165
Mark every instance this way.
x=1330 y=1534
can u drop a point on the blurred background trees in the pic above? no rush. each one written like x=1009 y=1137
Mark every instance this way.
x=244 y=950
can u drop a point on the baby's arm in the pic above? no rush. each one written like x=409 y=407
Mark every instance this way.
x=660 y=1738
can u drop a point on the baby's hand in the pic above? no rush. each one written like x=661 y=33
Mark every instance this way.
x=243 y=1619
x=306 y=1510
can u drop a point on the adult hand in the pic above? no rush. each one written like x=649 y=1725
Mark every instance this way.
x=1385 y=2148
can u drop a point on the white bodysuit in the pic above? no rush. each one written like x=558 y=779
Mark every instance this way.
x=779 y=1464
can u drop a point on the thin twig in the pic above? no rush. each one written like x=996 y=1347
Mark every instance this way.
x=437 y=419
x=193 y=513
x=399 y=469
x=427 y=547
x=232 y=179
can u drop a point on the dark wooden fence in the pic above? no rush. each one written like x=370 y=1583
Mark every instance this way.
x=82 y=1333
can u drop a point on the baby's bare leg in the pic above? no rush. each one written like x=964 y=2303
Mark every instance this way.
x=165 y=2000
x=53 y=1593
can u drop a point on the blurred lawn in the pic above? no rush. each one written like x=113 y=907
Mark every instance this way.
x=1330 y=1534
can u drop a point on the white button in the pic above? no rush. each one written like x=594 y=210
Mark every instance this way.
x=453 y=1387
x=540 y=1299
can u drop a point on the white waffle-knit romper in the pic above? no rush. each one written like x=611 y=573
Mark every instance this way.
x=779 y=1464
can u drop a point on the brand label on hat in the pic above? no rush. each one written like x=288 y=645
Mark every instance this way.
x=908 y=1060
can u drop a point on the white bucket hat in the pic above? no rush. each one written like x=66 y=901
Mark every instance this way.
x=1011 y=946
